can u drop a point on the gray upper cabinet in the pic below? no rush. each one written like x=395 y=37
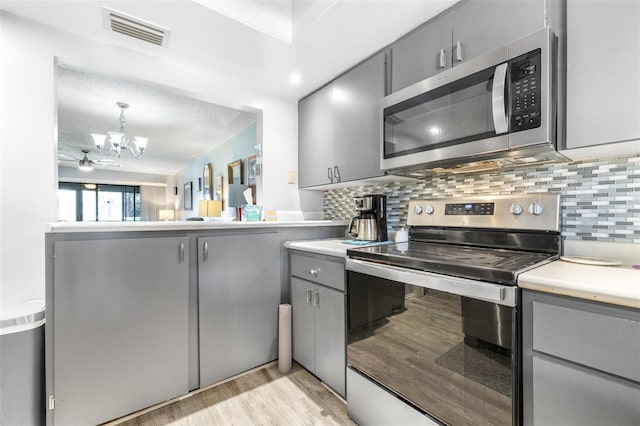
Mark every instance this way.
x=603 y=65
x=315 y=138
x=356 y=117
x=339 y=127
x=422 y=53
x=468 y=30
x=119 y=315
x=482 y=26
x=239 y=294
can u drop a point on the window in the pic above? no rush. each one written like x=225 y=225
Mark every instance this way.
x=80 y=202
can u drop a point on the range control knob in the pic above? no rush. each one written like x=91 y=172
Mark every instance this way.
x=428 y=209
x=515 y=209
x=417 y=210
x=535 y=209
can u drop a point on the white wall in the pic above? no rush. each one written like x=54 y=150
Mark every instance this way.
x=28 y=166
x=28 y=111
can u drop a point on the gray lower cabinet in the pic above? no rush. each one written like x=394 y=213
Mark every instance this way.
x=239 y=294
x=602 y=47
x=467 y=30
x=318 y=321
x=581 y=362
x=339 y=127
x=117 y=327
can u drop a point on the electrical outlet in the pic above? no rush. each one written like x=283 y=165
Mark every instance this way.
x=291 y=177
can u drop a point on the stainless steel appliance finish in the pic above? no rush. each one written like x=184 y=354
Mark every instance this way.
x=520 y=211
x=371 y=222
x=434 y=321
x=364 y=228
x=497 y=110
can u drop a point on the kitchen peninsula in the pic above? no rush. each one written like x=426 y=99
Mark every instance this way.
x=139 y=313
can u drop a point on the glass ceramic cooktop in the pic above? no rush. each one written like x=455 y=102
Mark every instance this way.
x=484 y=264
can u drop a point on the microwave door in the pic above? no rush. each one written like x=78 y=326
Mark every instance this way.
x=498 y=100
x=463 y=118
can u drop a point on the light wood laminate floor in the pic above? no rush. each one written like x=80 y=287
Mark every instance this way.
x=262 y=397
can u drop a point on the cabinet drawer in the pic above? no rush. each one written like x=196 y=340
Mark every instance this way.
x=607 y=340
x=569 y=395
x=317 y=270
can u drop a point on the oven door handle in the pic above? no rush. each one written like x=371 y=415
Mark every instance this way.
x=496 y=293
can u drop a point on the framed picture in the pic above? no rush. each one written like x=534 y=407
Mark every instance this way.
x=207 y=181
x=252 y=174
x=188 y=194
x=234 y=173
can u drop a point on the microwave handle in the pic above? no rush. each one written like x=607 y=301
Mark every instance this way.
x=498 y=100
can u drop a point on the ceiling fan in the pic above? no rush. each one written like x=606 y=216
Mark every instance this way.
x=85 y=164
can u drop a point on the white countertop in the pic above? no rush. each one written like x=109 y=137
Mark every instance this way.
x=617 y=285
x=331 y=247
x=62 y=227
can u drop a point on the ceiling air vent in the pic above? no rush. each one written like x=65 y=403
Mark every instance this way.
x=134 y=27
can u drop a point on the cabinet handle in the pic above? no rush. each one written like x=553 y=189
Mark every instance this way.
x=205 y=255
x=336 y=173
x=181 y=252
x=459 y=51
x=316 y=298
x=330 y=174
x=308 y=296
x=443 y=54
x=314 y=272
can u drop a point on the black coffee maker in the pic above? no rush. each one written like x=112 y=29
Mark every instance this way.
x=371 y=222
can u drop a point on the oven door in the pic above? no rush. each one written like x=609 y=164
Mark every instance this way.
x=450 y=354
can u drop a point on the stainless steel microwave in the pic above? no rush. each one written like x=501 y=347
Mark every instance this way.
x=495 y=110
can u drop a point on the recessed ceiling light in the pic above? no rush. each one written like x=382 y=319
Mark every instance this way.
x=295 y=78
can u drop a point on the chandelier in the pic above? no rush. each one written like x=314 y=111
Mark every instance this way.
x=119 y=141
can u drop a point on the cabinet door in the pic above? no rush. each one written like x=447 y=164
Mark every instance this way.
x=482 y=26
x=566 y=394
x=330 y=337
x=120 y=326
x=603 y=65
x=302 y=323
x=315 y=138
x=418 y=55
x=239 y=294
x=356 y=118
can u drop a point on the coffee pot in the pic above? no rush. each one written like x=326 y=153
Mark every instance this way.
x=363 y=227
x=371 y=222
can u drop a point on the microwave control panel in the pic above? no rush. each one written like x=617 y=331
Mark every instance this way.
x=525 y=91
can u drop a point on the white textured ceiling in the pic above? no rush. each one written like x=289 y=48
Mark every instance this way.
x=179 y=128
x=244 y=46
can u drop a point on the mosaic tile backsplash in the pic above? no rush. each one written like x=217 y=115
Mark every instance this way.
x=600 y=199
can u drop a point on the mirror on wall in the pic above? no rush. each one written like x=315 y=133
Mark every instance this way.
x=219 y=188
x=207 y=182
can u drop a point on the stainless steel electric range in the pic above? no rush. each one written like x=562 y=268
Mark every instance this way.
x=433 y=323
